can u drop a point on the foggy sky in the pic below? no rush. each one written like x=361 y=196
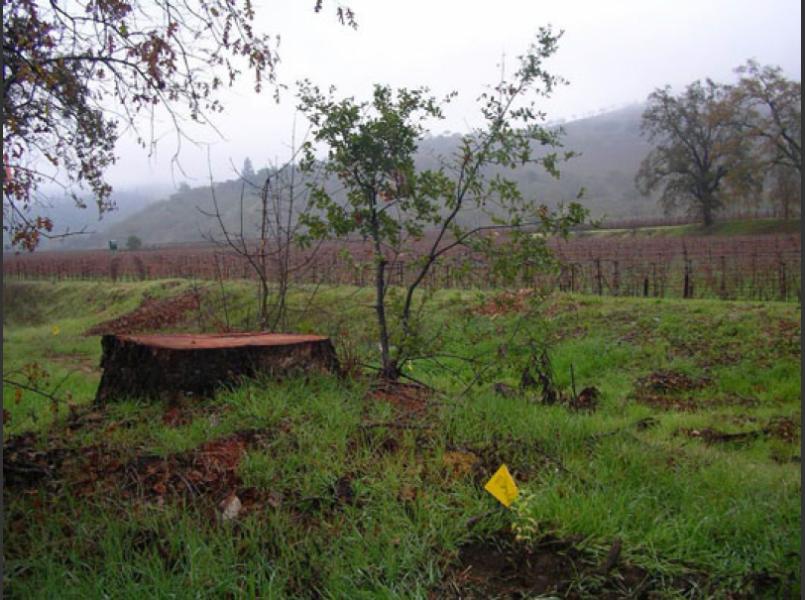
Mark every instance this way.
x=613 y=53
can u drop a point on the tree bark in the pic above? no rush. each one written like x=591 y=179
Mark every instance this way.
x=156 y=366
x=707 y=211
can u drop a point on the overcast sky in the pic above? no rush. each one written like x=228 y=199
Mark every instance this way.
x=613 y=53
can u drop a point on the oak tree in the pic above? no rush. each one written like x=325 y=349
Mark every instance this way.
x=770 y=111
x=697 y=148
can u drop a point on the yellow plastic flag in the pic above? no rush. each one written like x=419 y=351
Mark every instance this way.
x=502 y=486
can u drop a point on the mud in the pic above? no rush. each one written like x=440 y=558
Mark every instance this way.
x=406 y=398
x=207 y=473
x=151 y=315
x=500 y=566
x=782 y=428
x=506 y=303
x=669 y=382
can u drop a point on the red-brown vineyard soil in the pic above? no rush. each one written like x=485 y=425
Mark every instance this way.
x=759 y=267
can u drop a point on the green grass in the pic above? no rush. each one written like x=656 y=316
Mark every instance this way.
x=721 y=513
x=721 y=228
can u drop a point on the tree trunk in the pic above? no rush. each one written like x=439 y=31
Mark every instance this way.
x=388 y=366
x=707 y=211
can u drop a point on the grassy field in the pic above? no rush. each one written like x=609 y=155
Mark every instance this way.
x=723 y=228
x=682 y=479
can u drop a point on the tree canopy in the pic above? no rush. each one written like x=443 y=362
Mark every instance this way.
x=716 y=143
x=390 y=202
x=75 y=75
x=696 y=147
x=771 y=112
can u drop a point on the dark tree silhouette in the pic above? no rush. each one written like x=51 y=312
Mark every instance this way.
x=770 y=108
x=697 y=146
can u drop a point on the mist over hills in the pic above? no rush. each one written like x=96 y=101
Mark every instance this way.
x=69 y=219
x=609 y=145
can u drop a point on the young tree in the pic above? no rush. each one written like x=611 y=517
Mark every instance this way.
x=75 y=74
x=697 y=147
x=269 y=243
x=389 y=202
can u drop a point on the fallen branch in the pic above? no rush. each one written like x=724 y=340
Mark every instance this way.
x=29 y=388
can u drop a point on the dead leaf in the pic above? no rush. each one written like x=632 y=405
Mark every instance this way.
x=459 y=463
x=408 y=493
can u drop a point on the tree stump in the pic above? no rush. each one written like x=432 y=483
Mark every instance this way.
x=158 y=366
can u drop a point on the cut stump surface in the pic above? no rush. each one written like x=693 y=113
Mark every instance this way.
x=159 y=366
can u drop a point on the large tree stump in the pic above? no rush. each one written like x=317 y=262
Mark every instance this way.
x=158 y=366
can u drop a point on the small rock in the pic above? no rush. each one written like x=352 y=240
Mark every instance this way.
x=230 y=507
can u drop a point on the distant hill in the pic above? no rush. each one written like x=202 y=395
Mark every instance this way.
x=610 y=150
x=68 y=218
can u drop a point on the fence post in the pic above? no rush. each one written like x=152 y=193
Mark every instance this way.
x=598 y=280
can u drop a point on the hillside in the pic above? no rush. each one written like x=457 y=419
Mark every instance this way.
x=609 y=145
x=68 y=218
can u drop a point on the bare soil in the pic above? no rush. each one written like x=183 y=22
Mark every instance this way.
x=151 y=315
x=501 y=566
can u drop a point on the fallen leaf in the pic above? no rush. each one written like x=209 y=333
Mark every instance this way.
x=408 y=493
x=459 y=463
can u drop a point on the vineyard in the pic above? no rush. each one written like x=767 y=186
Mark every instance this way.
x=758 y=267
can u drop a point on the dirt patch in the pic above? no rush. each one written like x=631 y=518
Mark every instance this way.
x=506 y=302
x=209 y=471
x=674 y=403
x=457 y=464
x=787 y=337
x=713 y=436
x=151 y=315
x=502 y=567
x=175 y=417
x=688 y=404
x=664 y=390
x=782 y=428
x=406 y=398
x=26 y=466
x=411 y=404
x=669 y=382
x=586 y=400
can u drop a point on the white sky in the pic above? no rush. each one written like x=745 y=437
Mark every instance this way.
x=614 y=52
